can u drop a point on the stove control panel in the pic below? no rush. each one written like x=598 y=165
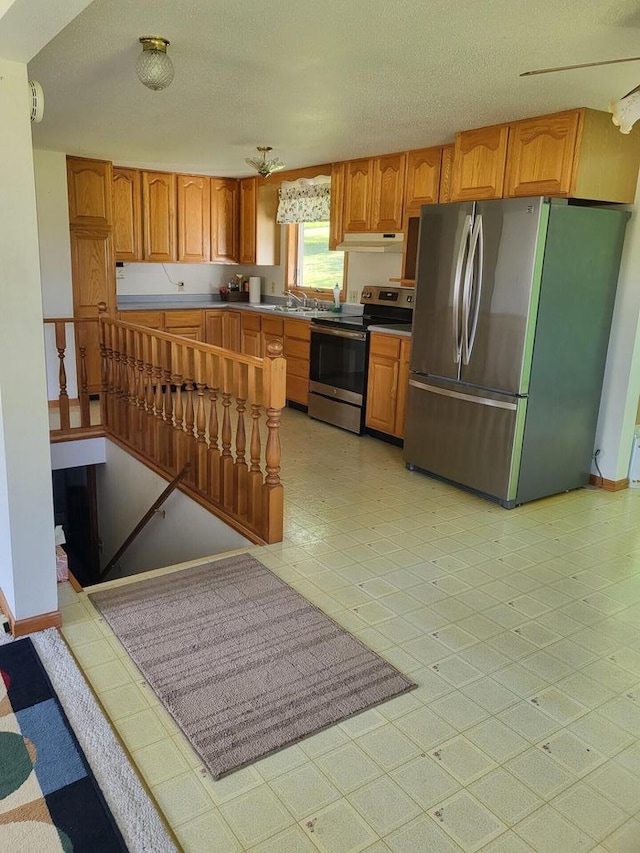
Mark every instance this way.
x=400 y=297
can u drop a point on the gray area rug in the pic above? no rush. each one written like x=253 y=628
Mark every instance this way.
x=243 y=662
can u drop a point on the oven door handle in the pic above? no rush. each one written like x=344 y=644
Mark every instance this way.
x=339 y=333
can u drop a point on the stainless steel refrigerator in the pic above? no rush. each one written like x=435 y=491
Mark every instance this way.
x=511 y=323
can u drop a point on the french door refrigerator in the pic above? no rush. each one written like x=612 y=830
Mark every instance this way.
x=511 y=323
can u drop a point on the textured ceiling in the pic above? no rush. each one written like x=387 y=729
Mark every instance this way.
x=320 y=81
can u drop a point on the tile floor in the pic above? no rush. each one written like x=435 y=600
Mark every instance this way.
x=520 y=627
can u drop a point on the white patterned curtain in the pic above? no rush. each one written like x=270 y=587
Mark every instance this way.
x=304 y=201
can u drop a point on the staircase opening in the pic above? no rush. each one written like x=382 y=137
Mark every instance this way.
x=75 y=509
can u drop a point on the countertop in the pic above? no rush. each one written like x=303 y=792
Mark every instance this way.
x=400 y=329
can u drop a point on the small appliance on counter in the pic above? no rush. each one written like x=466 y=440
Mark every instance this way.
x=237 y=290
x=339 y=356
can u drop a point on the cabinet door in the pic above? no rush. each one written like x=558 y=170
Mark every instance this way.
x=194 y=218
x=479 y=163
x=231 y=331
x=336 y=215
x=93 y=281
x=446 y=174
x=389 y=174
x=213 y=327
x=423 y=178
x=272 y=330
x=248 y=195
x=252 y=335
x=159 y=216
x=186 y=323
x=382 y=388
x=127 y=214
x=224 y=220
x=541 y=155
x=403 y=386
x=357 y=195
x=89 y=189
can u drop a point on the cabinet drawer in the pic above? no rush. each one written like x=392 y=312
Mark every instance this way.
x=387 y=346
x=252 y=322
x=298 y=389
x=273 y=326
x=297 y=329
x=180 y=319
x=298 y=367
x=294 y=348
x=153 y=319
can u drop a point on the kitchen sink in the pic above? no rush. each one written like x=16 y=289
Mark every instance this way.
x=298 y=309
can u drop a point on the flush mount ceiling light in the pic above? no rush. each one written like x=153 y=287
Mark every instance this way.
x=263 y=166
x=626 y=111
x=154 y=68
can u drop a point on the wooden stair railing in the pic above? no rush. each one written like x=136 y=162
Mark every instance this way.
x=172 y=401
x=63 y=404
x=146 y=518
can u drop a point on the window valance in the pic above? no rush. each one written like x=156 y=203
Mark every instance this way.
x=304 y=200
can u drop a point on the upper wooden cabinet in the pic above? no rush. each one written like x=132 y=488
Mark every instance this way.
x=89 y=189
x=357 y=195
x=259 y=232
x=446 y=174
x=127 y=214
x=224 y=220
x=159 y=219
x=422 y=185
x=479 y=163
x=374 y=193
x=388 y=192
x=577 y=153
x=336 y=216
x=194 y=218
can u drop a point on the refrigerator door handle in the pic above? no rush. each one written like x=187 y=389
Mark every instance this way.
x=472 y=289
x=470 y=398
x=457 y=288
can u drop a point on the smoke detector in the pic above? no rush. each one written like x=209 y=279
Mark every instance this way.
x=36 y=101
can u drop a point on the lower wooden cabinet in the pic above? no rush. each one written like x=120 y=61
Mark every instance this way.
x=297 y=337
x=388 y=383
x=251 y=335
x=186 y=323
x=222 y=329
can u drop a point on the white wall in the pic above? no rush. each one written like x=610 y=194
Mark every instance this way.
x=369 y=268
x=614 y=434
x=126 y=490
x=161 y=279
x=27 y=549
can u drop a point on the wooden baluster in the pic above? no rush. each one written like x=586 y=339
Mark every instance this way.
x=113 y=422
x=83 y=379
x=63 y=397
x=123 y=383
x=189 y=416
x=241 y=471
x=138 y=437
x=102 y=308
x=158 y=401
x=179 y=455
x=254 y=509
x=275 y=389
x=132 y=381
x=168 y=406
x=149 y=426
x=202 y=472
x=226 y=459
x=214 y=448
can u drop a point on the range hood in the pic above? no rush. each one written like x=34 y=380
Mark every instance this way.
x=382 y=242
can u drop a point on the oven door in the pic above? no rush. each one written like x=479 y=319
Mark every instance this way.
x=338 y=367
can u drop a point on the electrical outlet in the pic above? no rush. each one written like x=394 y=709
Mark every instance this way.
x=353 y=296
x=180 y=283
x=273 y=287
x=119 y=273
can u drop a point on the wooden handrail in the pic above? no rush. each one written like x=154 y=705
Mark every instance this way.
x=146 y=518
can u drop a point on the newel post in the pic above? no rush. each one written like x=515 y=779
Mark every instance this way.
x=275 y=379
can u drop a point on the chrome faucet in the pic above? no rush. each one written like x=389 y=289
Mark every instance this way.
x=301 y=300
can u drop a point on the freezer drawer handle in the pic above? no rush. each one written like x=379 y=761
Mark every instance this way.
x=483 y=401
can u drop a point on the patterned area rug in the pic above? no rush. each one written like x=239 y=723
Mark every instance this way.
x=243 y=662
x=49 y=798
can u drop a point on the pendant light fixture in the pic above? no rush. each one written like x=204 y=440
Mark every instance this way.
x=263 y=166
x=154 y=68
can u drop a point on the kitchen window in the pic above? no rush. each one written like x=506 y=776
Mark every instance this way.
x=311 y=266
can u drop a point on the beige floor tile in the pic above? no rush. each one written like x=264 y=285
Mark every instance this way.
x=292 y=840
x=467 y=821
x=463 y=759
x=420 y=836
x=617 y=784
x=348 y=768
x=304 y=790
x=591 y=812
x=160 y=761
x=182 y=799
x=339 y=829
x=141 y=729
x=256 y=815
x=384 y=805
x=497 y=740
x=626 y=839
x=508 y=842
x=505 y=796
x=426 y=781
x=425 y=728
x=539 y=772
x=207 y=833
x=389 y=747
x=549 y=832
x=108 y=675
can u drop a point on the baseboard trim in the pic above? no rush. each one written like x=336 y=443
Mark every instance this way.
x=74 y=582
x=21 y=627
x=609 y=485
